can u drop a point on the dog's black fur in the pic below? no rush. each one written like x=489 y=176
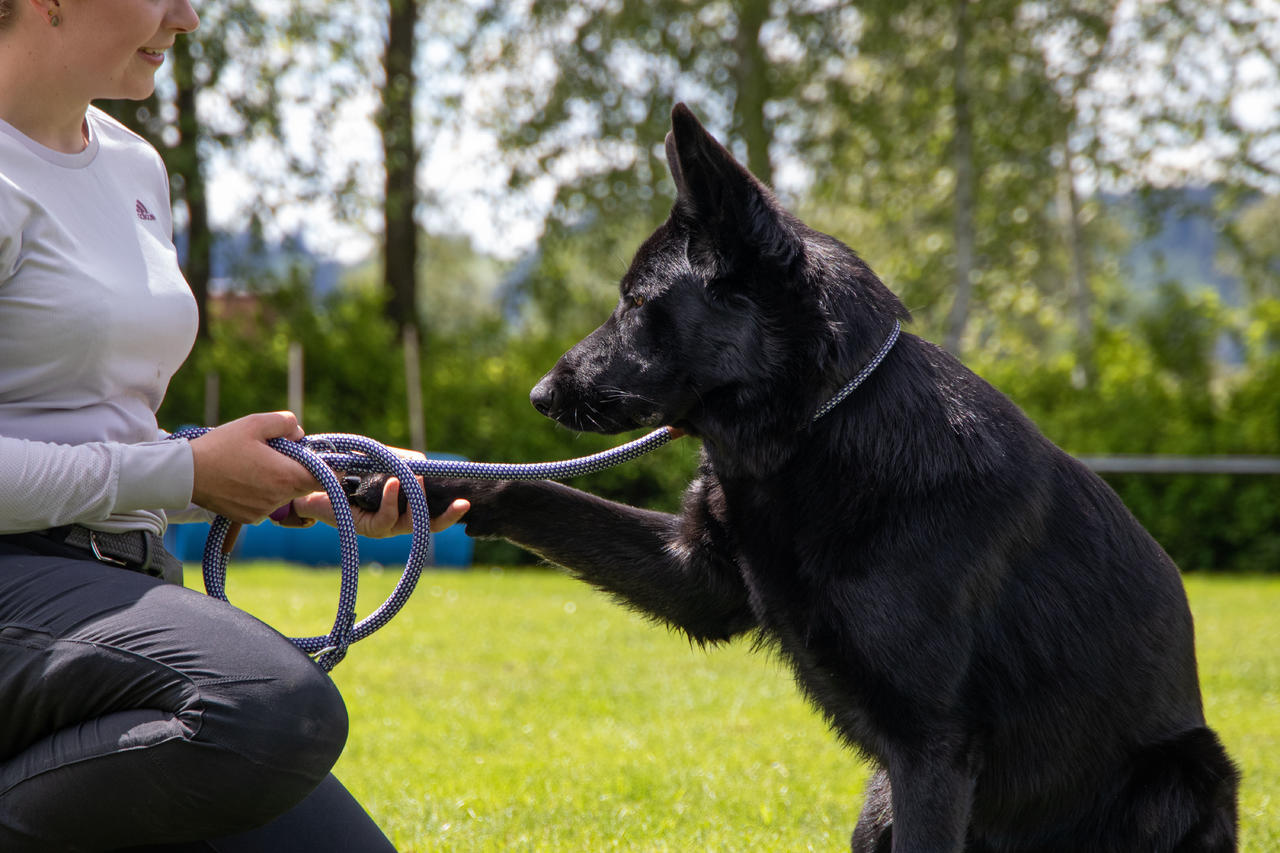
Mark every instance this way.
x=969 y=606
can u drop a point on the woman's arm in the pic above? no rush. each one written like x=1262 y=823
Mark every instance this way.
x=230 y=471
x=46 y=485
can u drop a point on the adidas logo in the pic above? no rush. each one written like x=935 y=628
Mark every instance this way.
x=143 y=213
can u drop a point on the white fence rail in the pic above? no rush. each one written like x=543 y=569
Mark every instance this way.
x=1134 y=464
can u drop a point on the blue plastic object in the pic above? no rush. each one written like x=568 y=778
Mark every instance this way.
x=318 y=545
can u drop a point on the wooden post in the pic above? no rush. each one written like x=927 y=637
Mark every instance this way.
x=964 y=218
x=413 y=387
x=295 y=379
x=211 y=392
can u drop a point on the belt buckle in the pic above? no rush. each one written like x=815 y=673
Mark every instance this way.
x=148 y=556
x=97 y=553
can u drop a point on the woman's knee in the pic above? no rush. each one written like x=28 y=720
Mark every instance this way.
x=270 y=710
x=318 y=722
x=290 y=718
x=258 y=696
x=256 y=724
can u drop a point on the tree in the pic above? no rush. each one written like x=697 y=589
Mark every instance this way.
x=261 y=86
x=932 y=151
x=752 y=84
x=1255 y=249
x=960 y=145
x=928 y=135
x=1202 y=113
x=400 y=159
x=962 y=156
x=1074 y=38
x=585 y=95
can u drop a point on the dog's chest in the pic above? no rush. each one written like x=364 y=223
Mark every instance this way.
x=786 y=572
x=800 y=565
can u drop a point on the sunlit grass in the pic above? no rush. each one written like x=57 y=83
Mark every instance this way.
x=1238 y=646
x=523 y=711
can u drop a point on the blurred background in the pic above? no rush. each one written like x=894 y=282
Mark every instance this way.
x=396 y=215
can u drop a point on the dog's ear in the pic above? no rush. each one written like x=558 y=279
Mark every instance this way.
x=732 y=218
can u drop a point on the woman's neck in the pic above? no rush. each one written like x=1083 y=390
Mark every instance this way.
x=46 y=113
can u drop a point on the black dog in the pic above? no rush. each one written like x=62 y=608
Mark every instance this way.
x=970 y=607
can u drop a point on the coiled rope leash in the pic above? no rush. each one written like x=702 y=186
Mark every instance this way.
x=324 y=454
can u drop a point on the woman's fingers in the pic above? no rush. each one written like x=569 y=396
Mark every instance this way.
x=386 y=521
x=239 y=475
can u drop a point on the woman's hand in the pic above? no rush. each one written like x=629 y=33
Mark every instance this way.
x=240 y=476
x=387 y=520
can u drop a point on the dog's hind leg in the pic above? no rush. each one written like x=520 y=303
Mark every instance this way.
x=1181 y=798
x=874 y=832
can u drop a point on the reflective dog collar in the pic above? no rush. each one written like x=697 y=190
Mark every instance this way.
x=862 y=374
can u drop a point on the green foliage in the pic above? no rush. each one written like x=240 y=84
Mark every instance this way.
x=886 y=176
x=522 y=711
x=352 y=357
x=1256 y=248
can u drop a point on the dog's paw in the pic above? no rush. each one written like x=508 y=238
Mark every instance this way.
x=365 y=491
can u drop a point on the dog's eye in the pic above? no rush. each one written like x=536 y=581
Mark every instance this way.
x=637 y=301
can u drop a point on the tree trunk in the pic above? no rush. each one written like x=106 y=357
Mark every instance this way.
x=752 y=85
x=400 y=155
x=184 y=160
x=962 y=146
x=1082 y=296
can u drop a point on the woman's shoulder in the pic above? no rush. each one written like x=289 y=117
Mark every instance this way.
x=109 y=127
x=117 y=140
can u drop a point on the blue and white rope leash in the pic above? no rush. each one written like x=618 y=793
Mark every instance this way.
x=323 y=454
x=326 y=453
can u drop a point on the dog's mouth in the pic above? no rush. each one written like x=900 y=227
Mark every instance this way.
x=606 y=412
x=588 y=418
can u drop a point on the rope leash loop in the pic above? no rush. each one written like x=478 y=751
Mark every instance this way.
x=325 y=454
x=419 y=514
x=329 y=649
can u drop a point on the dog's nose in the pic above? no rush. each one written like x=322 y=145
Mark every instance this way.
x=543 y=396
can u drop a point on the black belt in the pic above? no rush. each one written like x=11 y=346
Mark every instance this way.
x=137 y=550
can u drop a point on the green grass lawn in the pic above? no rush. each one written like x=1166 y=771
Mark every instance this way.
x=520 y=710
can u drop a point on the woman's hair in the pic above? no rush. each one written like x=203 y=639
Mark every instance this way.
x=6 y=13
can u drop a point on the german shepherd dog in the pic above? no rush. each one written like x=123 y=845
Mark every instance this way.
x=970 y=608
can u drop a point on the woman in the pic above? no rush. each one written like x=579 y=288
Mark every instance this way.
x=135 y=712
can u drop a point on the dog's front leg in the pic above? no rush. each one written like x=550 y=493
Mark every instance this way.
x=673 y=567
x=932 y=796
x=874 y=832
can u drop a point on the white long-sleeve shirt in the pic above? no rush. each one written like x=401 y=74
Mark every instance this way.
x=95 y=318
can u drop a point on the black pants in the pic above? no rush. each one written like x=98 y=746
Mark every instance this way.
x=135 y=713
